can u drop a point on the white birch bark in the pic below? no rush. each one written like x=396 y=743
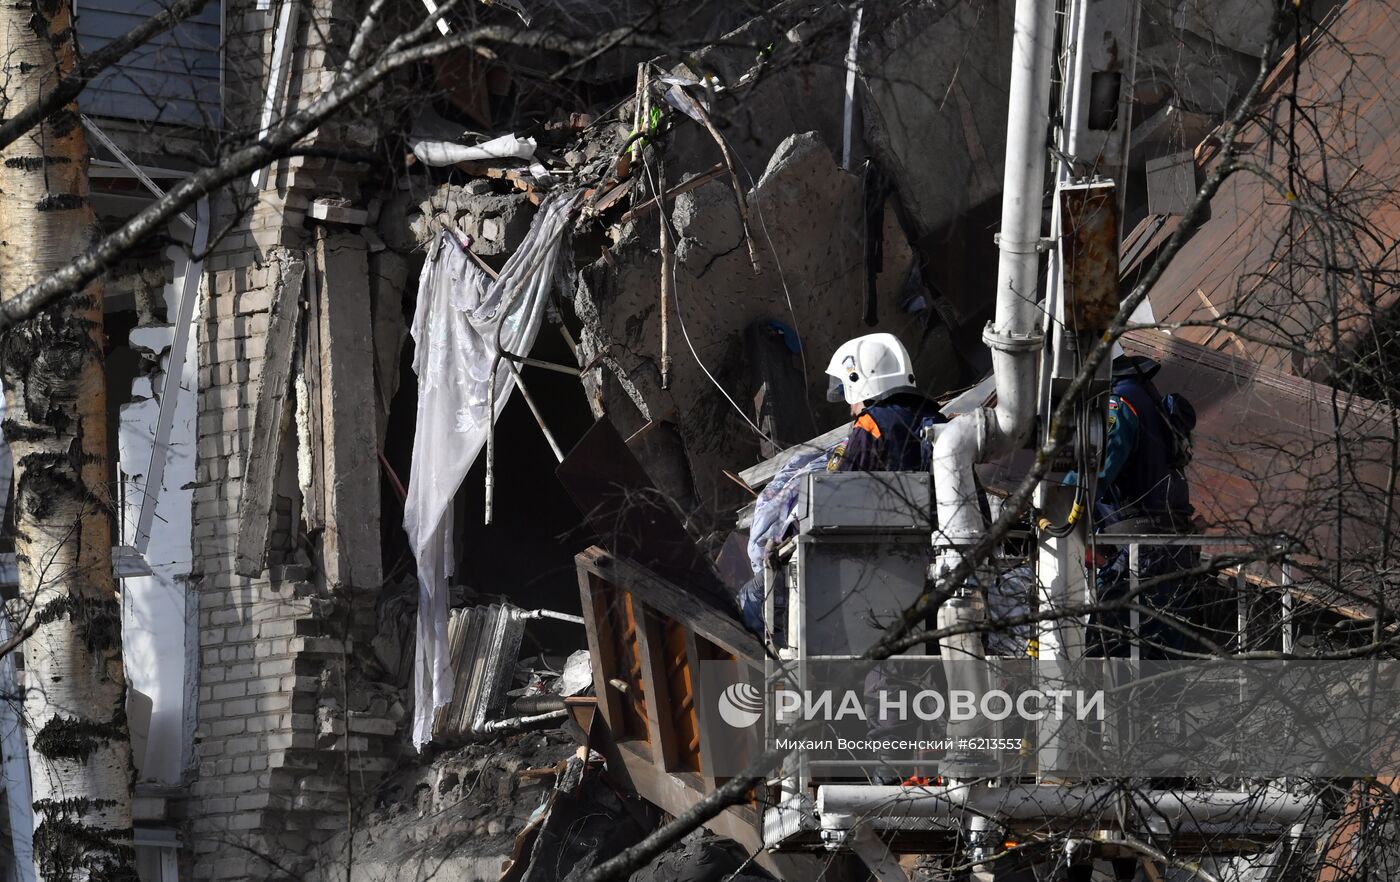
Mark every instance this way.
x=79 y=751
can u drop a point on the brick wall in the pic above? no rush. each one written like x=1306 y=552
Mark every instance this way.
x=291 y=731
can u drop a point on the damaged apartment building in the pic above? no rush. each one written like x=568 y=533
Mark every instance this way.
x=302 y=423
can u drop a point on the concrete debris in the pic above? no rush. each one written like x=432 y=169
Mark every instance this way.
x=702 y=857
x=494 y=223
x=453 y=818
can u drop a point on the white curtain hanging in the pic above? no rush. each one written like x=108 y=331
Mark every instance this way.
x=461 y=314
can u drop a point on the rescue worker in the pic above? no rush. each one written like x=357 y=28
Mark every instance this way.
x=1141 y=490
x=875 y=376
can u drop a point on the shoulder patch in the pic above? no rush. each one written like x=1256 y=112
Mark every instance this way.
x=1113 y=404
x=867 y=422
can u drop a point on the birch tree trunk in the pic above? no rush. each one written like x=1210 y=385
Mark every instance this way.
x=74 y=703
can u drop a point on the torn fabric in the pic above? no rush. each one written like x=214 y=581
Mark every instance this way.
x=455 y=330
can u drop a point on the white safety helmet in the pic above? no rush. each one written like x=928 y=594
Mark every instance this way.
x=870 y=366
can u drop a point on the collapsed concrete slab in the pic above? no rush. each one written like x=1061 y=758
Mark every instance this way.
x=808 y=218
x=936 y=81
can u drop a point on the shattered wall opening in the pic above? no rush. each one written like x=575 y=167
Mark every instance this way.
x=525 y=556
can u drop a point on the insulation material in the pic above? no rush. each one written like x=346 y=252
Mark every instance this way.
x=461 y=318
x=303 y=420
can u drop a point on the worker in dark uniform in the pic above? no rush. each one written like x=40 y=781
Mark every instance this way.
x=875 y=376
x=1141 y=489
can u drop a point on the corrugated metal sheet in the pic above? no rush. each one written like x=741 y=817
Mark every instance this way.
x=1261 y=264
x=172 y=79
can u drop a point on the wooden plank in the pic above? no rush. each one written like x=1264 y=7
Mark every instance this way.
x=703 y=720
x=270 y=413
x=638 y=696
x=680 y=683
x=758 y=475
x=653 y=676
x=610 y=198
x=600 y=648
x=675 y=602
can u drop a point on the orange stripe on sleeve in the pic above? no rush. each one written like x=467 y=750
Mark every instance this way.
x=867 y=422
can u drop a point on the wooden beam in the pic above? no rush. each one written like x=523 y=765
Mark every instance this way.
x=270 y=412
x=313 y=503
x=656 y=689
x=703 y=720
x=593 y=596
x=685 y=186
x=675 y=602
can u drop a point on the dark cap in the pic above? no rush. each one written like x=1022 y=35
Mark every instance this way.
x=1140 y=366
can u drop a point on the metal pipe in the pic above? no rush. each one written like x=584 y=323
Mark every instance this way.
x=1014 y=336
x=965 y=612
x=1134 y=614
x=491 y=437
x=1176 y=810
x=1286 y=639
x=549 y=366
x=547 y=614
x=668 y=273
x=491 y=726
x=852 y=59
x=538 y=704
x=534 y=410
